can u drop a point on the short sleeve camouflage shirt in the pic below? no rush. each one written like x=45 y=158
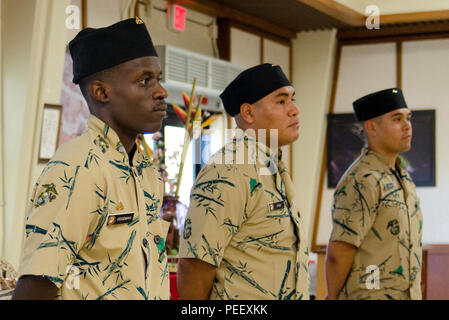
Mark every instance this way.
x=377 y=210
x=244 y=221
x=93 y=226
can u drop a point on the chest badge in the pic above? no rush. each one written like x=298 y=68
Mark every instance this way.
x=389 y=186
x=393 y=225
x=273 y=206
x=187 y=232
x=118 y=218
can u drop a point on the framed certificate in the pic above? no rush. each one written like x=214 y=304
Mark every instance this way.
x=51 y=121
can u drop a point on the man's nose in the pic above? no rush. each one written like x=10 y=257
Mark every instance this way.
x=408 y=125
x=294 y=110
x=160 y=93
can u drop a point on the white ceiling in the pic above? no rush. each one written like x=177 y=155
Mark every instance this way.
x=397 y=6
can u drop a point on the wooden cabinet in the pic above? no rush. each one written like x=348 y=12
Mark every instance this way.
x=435 y=272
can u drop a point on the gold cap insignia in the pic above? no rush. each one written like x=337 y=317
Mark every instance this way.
x=139 y=21
x=395 y=91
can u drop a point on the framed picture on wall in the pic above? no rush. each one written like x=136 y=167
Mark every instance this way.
x=51 y=121
x=345 y=140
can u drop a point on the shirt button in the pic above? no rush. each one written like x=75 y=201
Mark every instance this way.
x=157 y=239
x=145 y=243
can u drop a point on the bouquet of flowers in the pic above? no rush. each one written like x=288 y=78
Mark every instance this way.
x=194 y=122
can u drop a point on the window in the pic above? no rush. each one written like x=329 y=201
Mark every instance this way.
x=174 y=140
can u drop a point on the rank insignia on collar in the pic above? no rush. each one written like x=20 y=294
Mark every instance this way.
x=119 y=206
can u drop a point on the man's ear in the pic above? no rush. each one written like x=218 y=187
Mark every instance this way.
x=247 y=113
x=99 y=91
x=370 y=128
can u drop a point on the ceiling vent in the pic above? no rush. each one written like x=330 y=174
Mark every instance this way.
x=179 y=67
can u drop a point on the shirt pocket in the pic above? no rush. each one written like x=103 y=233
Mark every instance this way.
x=165 y=226
x=113 y=236
x=158 y=232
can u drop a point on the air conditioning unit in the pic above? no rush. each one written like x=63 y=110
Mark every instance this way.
x=179 y=67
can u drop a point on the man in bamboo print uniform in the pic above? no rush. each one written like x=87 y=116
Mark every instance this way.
x=93 y=229
x=375 y=248
x=243 y=237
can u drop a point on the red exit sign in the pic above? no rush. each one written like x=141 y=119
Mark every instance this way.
x=176 y=17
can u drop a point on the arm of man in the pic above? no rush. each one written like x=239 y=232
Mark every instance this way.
x=339 y=259
x=34 y=288
x=56 y=227
x=195 y=279
x=217 y=201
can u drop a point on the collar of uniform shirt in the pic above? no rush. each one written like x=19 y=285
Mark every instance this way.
x=384 y=160
x=263 y=153
x=113 y=141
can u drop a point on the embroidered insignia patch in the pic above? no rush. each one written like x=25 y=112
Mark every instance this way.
x=187 y=232
x=393 y=225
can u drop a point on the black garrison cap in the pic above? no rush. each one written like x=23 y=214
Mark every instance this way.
x=94 y=50
x=252 y=85
x=378 y=103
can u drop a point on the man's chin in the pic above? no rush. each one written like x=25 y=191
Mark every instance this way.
x=151 y=129
x=288 y=141
x=406 y=149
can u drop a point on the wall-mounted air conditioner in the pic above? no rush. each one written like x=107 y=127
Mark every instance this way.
x=179 y=67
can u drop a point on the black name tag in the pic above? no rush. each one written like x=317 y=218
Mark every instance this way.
x=276 y=205
x=118 y=218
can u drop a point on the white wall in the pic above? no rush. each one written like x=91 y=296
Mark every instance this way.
x=368 y=68
x=425 y=85
x=245 y=48
x=313 y=67
x=17 y=22
x=45 y=35
x=363 y=69
x=277 y=54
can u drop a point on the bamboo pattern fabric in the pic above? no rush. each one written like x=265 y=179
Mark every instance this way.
x=378 y=211
x=260 y=252
x=69 y=239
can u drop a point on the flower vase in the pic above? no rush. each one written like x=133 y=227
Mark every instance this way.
x=174 y=212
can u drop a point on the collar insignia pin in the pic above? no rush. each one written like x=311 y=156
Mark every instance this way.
x=119 y=206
